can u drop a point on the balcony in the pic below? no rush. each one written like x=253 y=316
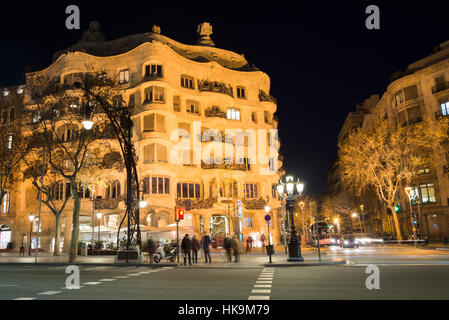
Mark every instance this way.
x=441 y=87
x=232 y=166
x=266 y=97
x=215 y=111
x=214 y=86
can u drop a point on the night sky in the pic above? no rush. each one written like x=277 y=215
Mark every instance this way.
x=321 y=59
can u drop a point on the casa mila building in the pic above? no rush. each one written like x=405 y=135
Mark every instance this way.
x=200 y=92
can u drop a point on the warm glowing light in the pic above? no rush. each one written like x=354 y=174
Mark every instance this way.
x=280 y=188
x=290 y=186
x=336 y=220
x=267 y=209
x=99 y=214
x=31 y=217
x=354 y=215
x=142 y=204
x=300 y=187
x=87 y=124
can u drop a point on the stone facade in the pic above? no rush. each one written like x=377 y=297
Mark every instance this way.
x=171 y=86
x=422 y=90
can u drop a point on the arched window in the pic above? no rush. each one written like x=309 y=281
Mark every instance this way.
x=113 y=190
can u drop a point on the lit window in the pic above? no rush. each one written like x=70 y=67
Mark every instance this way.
x=427 y=193
x=9 y=142
x=445 y=108
x=5 y=203
x=233 y=114
x=123 y=76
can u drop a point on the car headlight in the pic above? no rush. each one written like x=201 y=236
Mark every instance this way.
x=345 y=242
x=356 y=242
x=332 y=240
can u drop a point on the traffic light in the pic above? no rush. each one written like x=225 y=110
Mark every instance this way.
x=180 y=214
x=398 y=208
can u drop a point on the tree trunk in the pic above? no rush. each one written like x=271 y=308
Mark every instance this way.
x=75 y=223
x=396 y=223
x=57 y=250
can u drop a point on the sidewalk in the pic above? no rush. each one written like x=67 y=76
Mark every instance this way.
x=251 y=260
x=438 y=246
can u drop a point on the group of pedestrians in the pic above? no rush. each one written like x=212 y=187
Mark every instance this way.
x=191 y=246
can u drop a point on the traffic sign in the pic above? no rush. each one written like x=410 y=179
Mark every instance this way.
x=267 y=218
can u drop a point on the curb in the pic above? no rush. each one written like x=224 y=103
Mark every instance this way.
x=60 y=264
x=307 y=264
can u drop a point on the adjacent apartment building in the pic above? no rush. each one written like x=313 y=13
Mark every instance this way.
x=422 y=90
x=170 y=85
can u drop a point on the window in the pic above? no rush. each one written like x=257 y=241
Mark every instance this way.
x=68 y=190
x=132 y=100
x=402 y=118
x=73 y=79
x=176 y=103
x=271 y=164
x=9 y=142
x=427 y=193
x=193 y=107
x=440 y=83
x=123 y=76
x=241 y=93
x=411 y=93
x=153 y=70
x=398 y=98
x=114 y=189
x=154 y=152
x=245 y=162
x=251 y=191
x=67 y=133
x=146 y=185
x=254 y=117
x=58 y=191
x=154 y=123
x=414 y=115
x=184 y=129
x=83 y=192
x=188 y=157
x=273 y=191
x=154 y=94
x=188 y=190
x=445 y=108
x=267 y=117
x=187 y=82
x=4 y=117
x=5 y=203
x=160 y=185
x=233 y=114
x=12 y=115
x=117 y=101
x=201 y=224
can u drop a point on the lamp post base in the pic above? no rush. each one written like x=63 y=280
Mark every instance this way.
x=294 y=250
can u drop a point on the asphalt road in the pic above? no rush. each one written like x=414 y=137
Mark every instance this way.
x=404 y=274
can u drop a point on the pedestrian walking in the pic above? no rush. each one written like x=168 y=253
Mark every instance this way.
x=249 y=244
x=227 y=245
x=151 y=247
x=186 y=246
x=195 y=248
x=205 y=242
x=262 y=240
x=236 y=248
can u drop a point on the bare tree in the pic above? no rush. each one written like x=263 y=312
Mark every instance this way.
x=387 y=157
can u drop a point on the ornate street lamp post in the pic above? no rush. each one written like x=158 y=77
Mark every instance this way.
x=409 y=191
x=289 y=189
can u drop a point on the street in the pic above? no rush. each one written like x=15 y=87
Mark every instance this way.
x=405 y=273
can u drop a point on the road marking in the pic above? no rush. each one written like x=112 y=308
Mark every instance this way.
x=92 y=283
x=105 y=280
x=8 y=285
x=134 y=274
x=265 y=278
x=259 y=298
x=264 y=281
x=262 y=286
x=122 y=277
x=261 y=291
x=50 y=293
x=25 y=298
x=72 y=288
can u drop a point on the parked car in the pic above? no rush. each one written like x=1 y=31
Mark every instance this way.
x=349 y=242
